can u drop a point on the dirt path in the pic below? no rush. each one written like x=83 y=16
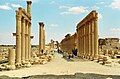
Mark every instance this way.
x=59 y=66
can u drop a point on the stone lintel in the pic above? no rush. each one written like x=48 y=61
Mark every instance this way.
x=92 y=15
x=23 y=13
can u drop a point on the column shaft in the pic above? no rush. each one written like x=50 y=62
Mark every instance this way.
x=89 y=40
x=29 y=41
x=92 y=39
x=96 y=38
x=26 y=42
x=18 y=39
x=23 y=41
x=84 y=41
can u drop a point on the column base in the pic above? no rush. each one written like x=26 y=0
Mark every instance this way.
x=91 y=58
x=23 y=62
x=12 y=67
x=27 y=63
x=18 y=65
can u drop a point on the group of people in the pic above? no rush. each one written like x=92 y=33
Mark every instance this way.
x=74 y=53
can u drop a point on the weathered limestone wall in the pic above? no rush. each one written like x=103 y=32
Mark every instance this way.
x=87 y=31
x=68 y=43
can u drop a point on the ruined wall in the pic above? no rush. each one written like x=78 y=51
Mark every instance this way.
x=68 y=43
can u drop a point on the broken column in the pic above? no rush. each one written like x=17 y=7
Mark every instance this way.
x=11 y=58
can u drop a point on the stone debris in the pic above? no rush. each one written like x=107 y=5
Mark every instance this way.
x=42 y=59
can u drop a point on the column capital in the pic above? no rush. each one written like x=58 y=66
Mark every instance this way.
x=41 y=23
x=29 y=2
x=18 y=17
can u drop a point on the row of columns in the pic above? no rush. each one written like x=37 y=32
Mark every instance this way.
x=23 y=44
x=23 y=38
x=88 y=39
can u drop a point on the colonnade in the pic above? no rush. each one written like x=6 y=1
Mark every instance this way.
x=87 y=36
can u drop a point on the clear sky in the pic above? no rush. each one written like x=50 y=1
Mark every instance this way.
x=60 y=17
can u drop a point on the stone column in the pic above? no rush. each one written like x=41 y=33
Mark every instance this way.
x=18 y=39
x=29 y=41
x=92 y=39
x=11 y=58
x=23 y=41
x=26 y=41
x=41 y=42
x=29 y=6
x=96 y=37
x=43 y=39
x=84 y=41
x=82 y=44
x=89 y=40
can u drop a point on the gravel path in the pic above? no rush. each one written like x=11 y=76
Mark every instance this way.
x=59 y=66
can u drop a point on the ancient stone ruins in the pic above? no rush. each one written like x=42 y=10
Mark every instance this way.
x=88 y=46
x=85 y=39
x=84 y=43
x=23 y=35
x=22 y=55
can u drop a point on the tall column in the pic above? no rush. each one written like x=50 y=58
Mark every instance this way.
x=89 y=39
x=41 y=37
x=29 y=6
x=92 y=39
x=11 y=58
x=18 y=39
x=26 y=42
x=29 y=41
x=96 y=37
x=84 y=41
x=23 y=41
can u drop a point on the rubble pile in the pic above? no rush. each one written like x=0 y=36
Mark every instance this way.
x=42 y=59
x=109 y=58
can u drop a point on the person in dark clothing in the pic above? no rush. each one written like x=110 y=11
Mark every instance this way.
x=42 y=51
x=74 y=52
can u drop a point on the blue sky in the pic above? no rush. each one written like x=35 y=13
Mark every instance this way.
x=60 y=17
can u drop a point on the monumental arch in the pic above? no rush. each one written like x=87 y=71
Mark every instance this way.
x=23 y=32
x=87 y=36
x=41 y=37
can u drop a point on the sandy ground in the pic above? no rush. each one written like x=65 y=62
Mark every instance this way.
x=59 y=66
